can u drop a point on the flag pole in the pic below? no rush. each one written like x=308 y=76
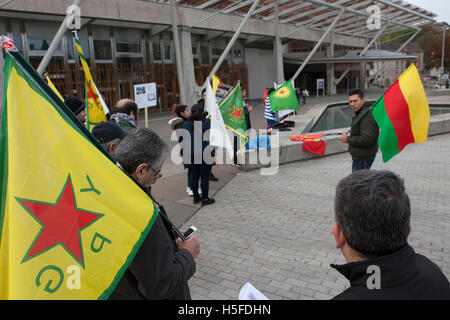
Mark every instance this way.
x=231 y=43
x=57 y=39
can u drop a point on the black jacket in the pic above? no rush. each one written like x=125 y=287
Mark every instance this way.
x=404 y=275
x=159 y=271
x=193 y=152
x=363 y=140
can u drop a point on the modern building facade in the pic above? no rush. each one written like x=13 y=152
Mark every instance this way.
x=128 y=42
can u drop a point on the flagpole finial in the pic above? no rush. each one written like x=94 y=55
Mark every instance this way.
x=8 y=44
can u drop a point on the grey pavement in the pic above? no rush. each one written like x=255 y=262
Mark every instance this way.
x=275 y=231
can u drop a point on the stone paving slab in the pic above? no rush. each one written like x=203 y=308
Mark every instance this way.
x=275 y=231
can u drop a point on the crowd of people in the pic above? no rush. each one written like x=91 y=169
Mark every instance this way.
x=372 y=209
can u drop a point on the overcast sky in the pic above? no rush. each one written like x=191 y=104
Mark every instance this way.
x=439 y=7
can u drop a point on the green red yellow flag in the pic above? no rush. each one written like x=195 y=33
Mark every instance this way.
x=402 y=114
x=284 y=98
x=70 y=220
x=233 y=113
x=96 y=108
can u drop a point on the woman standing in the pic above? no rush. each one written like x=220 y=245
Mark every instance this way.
x=182 y=114
x=199 y=154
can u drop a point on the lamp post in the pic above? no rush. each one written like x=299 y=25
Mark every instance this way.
x=444 y=27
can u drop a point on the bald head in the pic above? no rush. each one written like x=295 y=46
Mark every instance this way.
x=127 y=106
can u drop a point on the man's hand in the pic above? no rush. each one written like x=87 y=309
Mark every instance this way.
x=192 y=245
x=343 y=138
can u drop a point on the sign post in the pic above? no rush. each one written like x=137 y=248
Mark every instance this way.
x=145 y=97
x=320 y=86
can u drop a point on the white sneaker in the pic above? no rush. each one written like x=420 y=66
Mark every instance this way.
x=189 y=192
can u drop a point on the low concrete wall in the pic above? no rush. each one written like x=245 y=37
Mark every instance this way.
x=292 y=151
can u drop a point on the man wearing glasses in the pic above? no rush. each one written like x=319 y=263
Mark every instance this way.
x=164 y=263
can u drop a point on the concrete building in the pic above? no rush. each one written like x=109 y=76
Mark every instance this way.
x=129 y=42
x=385 y=73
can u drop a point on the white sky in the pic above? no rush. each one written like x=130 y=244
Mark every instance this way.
x=439 y=7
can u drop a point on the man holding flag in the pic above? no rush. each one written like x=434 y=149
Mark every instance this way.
x=362 y=143
x=402 y=113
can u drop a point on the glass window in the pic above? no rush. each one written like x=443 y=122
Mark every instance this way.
x=216 y=51
x=70 y=51
x=102 y=50
x=204 y=51
x=41 y=44
x=128 y=47
x=194 y=51
x=129 y=60
x=167 y=51
x=18 y=42
x=156 y=46
x=237 y=53
x=36 y=60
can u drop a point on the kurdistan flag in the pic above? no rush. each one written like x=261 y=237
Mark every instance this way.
x=402 y=114
x=284 y=98
x=66 y=228
x=96 y=108
x=233 y=113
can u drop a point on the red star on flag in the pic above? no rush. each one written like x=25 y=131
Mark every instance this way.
x=237 y=114
x=91 y=91
x=61 y=223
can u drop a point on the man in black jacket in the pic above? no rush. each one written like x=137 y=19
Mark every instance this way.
x=164 y=263
x=363 y=139
x=372 y=227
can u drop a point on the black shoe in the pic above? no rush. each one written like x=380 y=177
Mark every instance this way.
x=195 y=201
x=212 y=177
x=208 y=201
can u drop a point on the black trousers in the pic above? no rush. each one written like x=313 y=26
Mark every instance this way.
x=200 y=171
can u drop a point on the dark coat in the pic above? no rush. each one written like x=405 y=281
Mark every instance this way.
x=363 y=140
x=159 y=271
x=192 y=152
x=404 y=275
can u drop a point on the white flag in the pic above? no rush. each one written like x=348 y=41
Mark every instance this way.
x=218 y=134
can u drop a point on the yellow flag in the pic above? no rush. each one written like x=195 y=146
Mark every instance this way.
x=96 y=109
x=52 y=86
x=70 y=220
x=215 y=83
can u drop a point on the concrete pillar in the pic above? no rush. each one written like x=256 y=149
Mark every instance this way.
x=278 y=49
x=331 y=80
x=192 y=90
x=362 y=77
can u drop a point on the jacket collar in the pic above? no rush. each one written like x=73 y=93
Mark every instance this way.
x=396 y=268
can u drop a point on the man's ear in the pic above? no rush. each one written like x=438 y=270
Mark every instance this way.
x=140 y=171
x=338 y=236
x=112 y=148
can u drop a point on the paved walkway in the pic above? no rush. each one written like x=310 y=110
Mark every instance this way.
x=275 y=231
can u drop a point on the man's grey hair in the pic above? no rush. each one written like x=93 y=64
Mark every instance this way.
x=112 y=142
x=141 y=146
x=373 y=210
